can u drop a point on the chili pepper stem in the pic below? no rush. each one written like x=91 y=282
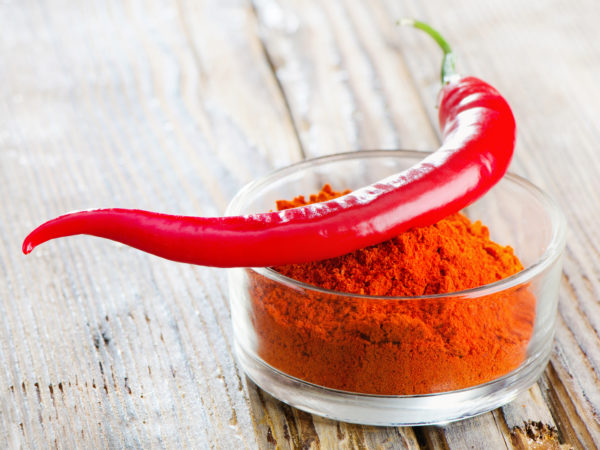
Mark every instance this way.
x=448 y=63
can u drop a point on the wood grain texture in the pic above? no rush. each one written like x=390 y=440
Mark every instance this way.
x=173 y=105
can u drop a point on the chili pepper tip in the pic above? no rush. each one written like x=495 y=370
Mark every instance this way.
x=27 y=247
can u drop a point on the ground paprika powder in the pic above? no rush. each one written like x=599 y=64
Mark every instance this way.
x=390 y=346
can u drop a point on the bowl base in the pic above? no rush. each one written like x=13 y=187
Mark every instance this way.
x=393 y=410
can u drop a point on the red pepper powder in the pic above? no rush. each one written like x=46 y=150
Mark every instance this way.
x=397 y=347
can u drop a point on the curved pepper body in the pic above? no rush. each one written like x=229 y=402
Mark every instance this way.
x=478 y=137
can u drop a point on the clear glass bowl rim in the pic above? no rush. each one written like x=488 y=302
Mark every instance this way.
x=550 y=255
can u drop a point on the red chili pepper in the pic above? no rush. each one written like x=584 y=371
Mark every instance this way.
x=478 y=132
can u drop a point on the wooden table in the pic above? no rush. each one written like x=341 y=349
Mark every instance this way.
x=173 y=106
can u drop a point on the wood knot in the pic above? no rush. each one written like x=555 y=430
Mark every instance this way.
x=537 y=435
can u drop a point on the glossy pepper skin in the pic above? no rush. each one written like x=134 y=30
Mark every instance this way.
x=478 y=138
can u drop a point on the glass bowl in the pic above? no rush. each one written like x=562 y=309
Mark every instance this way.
x=327 y=353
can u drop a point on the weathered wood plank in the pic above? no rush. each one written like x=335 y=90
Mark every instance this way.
x=139 y=105
x=336 y=36
x=346 y=86
x=173 y=105
x=529 y=422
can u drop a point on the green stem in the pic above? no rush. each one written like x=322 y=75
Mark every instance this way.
x=448 y=66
